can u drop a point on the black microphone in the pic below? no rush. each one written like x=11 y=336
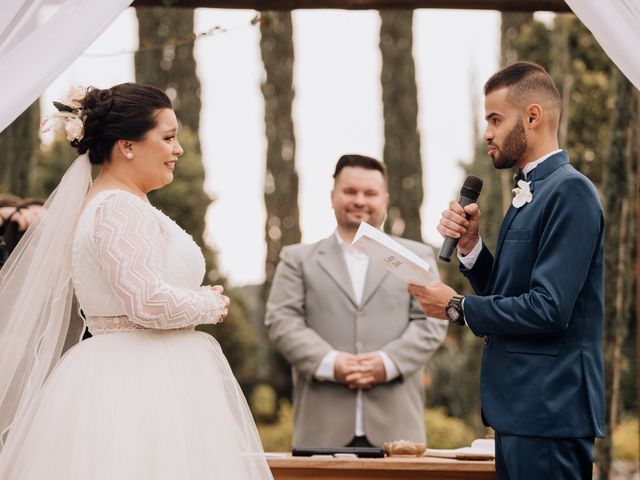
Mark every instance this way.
x=469 y=193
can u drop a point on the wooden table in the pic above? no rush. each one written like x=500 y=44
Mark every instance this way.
x=390 y=468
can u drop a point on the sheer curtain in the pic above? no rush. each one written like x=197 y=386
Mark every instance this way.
x=616 y=26
x=32 y=55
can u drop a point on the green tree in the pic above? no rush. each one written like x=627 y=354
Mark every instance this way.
x=281 y=179
x=590 y=103
x=560 y=70
x=401 y=135
x=50 y=164
x=18 y=144
x=238 y=340
x=619 y=192
x=166 y=60
x=602 y=139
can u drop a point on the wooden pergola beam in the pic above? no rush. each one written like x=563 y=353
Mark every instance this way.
x=502 y=5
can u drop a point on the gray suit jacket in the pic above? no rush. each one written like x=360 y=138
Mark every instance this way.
x=311 y=310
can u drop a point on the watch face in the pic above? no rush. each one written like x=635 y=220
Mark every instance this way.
x=453 y=314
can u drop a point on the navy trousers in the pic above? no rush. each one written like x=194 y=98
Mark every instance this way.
x=524 y=458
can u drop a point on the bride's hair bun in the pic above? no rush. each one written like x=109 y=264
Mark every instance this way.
x=123 y=112
x=95 y=107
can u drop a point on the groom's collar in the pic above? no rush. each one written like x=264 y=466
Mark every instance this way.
x=531 y=165
x=552 y=162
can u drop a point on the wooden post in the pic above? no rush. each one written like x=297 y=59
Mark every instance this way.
x=502 y=5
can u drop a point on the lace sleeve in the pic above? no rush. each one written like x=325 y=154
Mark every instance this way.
x=129 y=244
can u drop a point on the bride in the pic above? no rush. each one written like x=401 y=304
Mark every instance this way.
x=147 y=397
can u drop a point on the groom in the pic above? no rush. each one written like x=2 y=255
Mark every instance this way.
x=540 y=300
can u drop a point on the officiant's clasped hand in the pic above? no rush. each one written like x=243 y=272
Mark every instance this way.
x=360 y=371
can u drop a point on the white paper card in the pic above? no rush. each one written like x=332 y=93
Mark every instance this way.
x=464 y=453
x=480 y=449
x=389 y=254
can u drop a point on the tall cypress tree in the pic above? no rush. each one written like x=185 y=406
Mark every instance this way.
x=166 y=60
x=281 y=179
x=401 y=136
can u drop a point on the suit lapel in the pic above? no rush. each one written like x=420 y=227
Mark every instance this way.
x=375 y=275
x=541 y=172
x=331 y=260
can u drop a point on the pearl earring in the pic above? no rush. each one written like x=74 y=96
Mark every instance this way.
x=129 y=154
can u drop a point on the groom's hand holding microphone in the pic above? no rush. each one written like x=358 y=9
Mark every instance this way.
x=460 y=225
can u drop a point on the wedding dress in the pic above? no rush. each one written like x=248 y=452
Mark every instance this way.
x=147 y=397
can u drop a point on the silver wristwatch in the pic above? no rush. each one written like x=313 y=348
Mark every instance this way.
x=454 y=311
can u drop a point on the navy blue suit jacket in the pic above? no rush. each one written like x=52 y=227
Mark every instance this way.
x=540 y=305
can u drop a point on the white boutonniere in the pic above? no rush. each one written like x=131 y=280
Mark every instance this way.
x=522 y=194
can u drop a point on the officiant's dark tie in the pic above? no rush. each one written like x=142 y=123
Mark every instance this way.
x=517 y=177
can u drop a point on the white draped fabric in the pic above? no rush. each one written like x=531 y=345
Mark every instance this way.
x=32 y=55
x=616 y=26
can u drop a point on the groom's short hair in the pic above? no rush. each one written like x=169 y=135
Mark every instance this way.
x=360 y=161
x=527 y=83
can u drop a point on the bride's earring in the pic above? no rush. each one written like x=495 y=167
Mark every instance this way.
x=129 y=155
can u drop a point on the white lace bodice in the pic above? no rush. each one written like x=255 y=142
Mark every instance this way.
x=131 y=260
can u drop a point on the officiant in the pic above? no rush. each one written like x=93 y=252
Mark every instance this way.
x=355 y=338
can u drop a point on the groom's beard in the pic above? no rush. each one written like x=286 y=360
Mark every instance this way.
x=513 y=148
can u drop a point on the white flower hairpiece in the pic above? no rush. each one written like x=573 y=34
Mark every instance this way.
x=522 y=194
x=69 y=113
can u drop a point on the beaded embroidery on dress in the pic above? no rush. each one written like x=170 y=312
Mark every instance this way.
x=147 y=397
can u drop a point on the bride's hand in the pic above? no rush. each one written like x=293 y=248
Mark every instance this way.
x=219 y=289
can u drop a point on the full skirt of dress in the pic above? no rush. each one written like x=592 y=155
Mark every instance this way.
x=147 y=404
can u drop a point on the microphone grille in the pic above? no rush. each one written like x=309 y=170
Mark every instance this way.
x=473 y=183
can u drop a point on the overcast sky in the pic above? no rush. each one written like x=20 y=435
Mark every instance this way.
x=337 y=109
